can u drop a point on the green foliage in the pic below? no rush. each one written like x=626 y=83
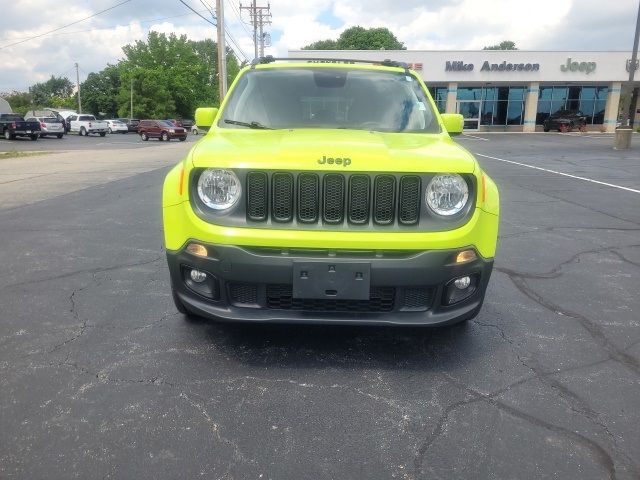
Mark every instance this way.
x=20 y=101
x=322 y=45
x=171 y=76
x=359 y=38
x=99 y=92
x=504 y=45
x=54 y=87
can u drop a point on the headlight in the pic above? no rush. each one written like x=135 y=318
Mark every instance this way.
x=219 y=189
x=447 y=194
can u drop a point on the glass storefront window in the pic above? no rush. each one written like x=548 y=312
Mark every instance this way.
x=439 y=95
x=500 y=105
x=590 y=100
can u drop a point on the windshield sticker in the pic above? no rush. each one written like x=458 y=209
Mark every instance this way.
x=422 y=106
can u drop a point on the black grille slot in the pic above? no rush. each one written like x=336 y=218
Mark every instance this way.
x=308 y=197
x=243 y=293
x=409 y=203
x=359 y=199
x=416 y=299
x=257 y=196
x=384 y=199
x=282 y=197
x=333 y=210
x=381 y=299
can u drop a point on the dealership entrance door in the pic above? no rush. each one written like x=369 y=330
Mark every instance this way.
x=470 y=110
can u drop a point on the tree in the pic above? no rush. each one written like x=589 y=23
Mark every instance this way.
x=171 y=76
x=100 y=90
x=504 y=45
x=322 y=45
x=20 y=102
x=54 y=87
x=360 y=38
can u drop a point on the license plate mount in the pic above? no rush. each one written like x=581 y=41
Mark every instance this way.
x=331 y=280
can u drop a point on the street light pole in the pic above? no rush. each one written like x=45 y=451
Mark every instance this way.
x=623 y=134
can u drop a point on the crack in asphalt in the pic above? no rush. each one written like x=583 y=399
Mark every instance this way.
x=595 y=330
x=601 y=455
x=93 y=271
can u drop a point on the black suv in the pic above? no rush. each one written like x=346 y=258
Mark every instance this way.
x=132 y=123
x=564 y=120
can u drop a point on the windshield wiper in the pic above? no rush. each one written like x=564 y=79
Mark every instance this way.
x=248 y=124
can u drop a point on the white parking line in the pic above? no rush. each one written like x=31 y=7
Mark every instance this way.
x=561 y=173
x=473 y=136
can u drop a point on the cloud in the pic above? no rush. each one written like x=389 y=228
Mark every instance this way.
x=437 y=24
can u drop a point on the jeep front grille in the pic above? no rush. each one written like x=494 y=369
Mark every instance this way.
x=333 y=198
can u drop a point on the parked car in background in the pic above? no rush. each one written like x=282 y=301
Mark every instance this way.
x=117 y=126
x=86 y=124
x=564 y=120
x=163 y=130
x=187 y=123
x=177 y=123
x=131 y=123
x=48 y=126
x=13 y=125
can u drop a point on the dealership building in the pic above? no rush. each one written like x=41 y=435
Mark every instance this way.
x=513 y=90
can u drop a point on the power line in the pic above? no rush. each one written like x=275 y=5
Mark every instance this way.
x=108 y=27
x=67 y=25
x=237 y=45
x=239 y=17
x=196 y=12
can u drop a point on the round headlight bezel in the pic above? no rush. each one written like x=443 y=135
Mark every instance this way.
x=463 y=192
x=208 y=175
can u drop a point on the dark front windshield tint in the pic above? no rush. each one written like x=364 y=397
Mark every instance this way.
x=330 y=98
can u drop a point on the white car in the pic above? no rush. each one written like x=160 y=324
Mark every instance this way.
x=116 y=126
x=48 y=126
x=85 y=124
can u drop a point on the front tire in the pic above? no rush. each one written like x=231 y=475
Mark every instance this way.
x=182 y=139
x=144 y=136
x=164 y=137
x=194 y=131
x=83 y=132
x=7 y=135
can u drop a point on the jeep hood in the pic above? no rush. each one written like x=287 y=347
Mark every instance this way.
x=301 y=149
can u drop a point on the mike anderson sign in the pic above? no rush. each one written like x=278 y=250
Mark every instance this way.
x=456 y=66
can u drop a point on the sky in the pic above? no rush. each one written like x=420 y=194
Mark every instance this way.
x=420 y=24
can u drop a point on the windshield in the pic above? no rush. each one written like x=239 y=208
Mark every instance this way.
x=167 y=123
x=329 y=98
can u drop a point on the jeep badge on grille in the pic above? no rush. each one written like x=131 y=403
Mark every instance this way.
x=334 y=161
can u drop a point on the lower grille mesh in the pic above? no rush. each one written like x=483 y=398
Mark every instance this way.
x=381 y=299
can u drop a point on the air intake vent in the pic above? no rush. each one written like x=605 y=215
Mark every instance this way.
x=409 y=208
x=257 y=195
x=384 y=199
x=333 y=211
x=282 y=199
x=359 y=199
x=308 y=196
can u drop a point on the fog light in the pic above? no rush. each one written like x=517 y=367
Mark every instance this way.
x=460 y=283
x=460 y=288
x=197 y=250
x=466 y=256
x=198 y=276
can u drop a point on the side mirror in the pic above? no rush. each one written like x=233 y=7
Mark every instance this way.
x=453 y=123
x=205 y=116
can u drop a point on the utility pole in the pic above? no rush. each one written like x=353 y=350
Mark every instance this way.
x=222 y=50
x=624 y=133
x=78 y=86
x=131 y=111
x=259 y=16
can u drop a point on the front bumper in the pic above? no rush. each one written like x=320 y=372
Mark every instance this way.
x=255 y=285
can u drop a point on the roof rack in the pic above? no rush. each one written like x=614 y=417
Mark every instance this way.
x=385 y=63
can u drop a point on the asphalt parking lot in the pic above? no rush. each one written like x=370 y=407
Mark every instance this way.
x=112 y=141
x=100 y=377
